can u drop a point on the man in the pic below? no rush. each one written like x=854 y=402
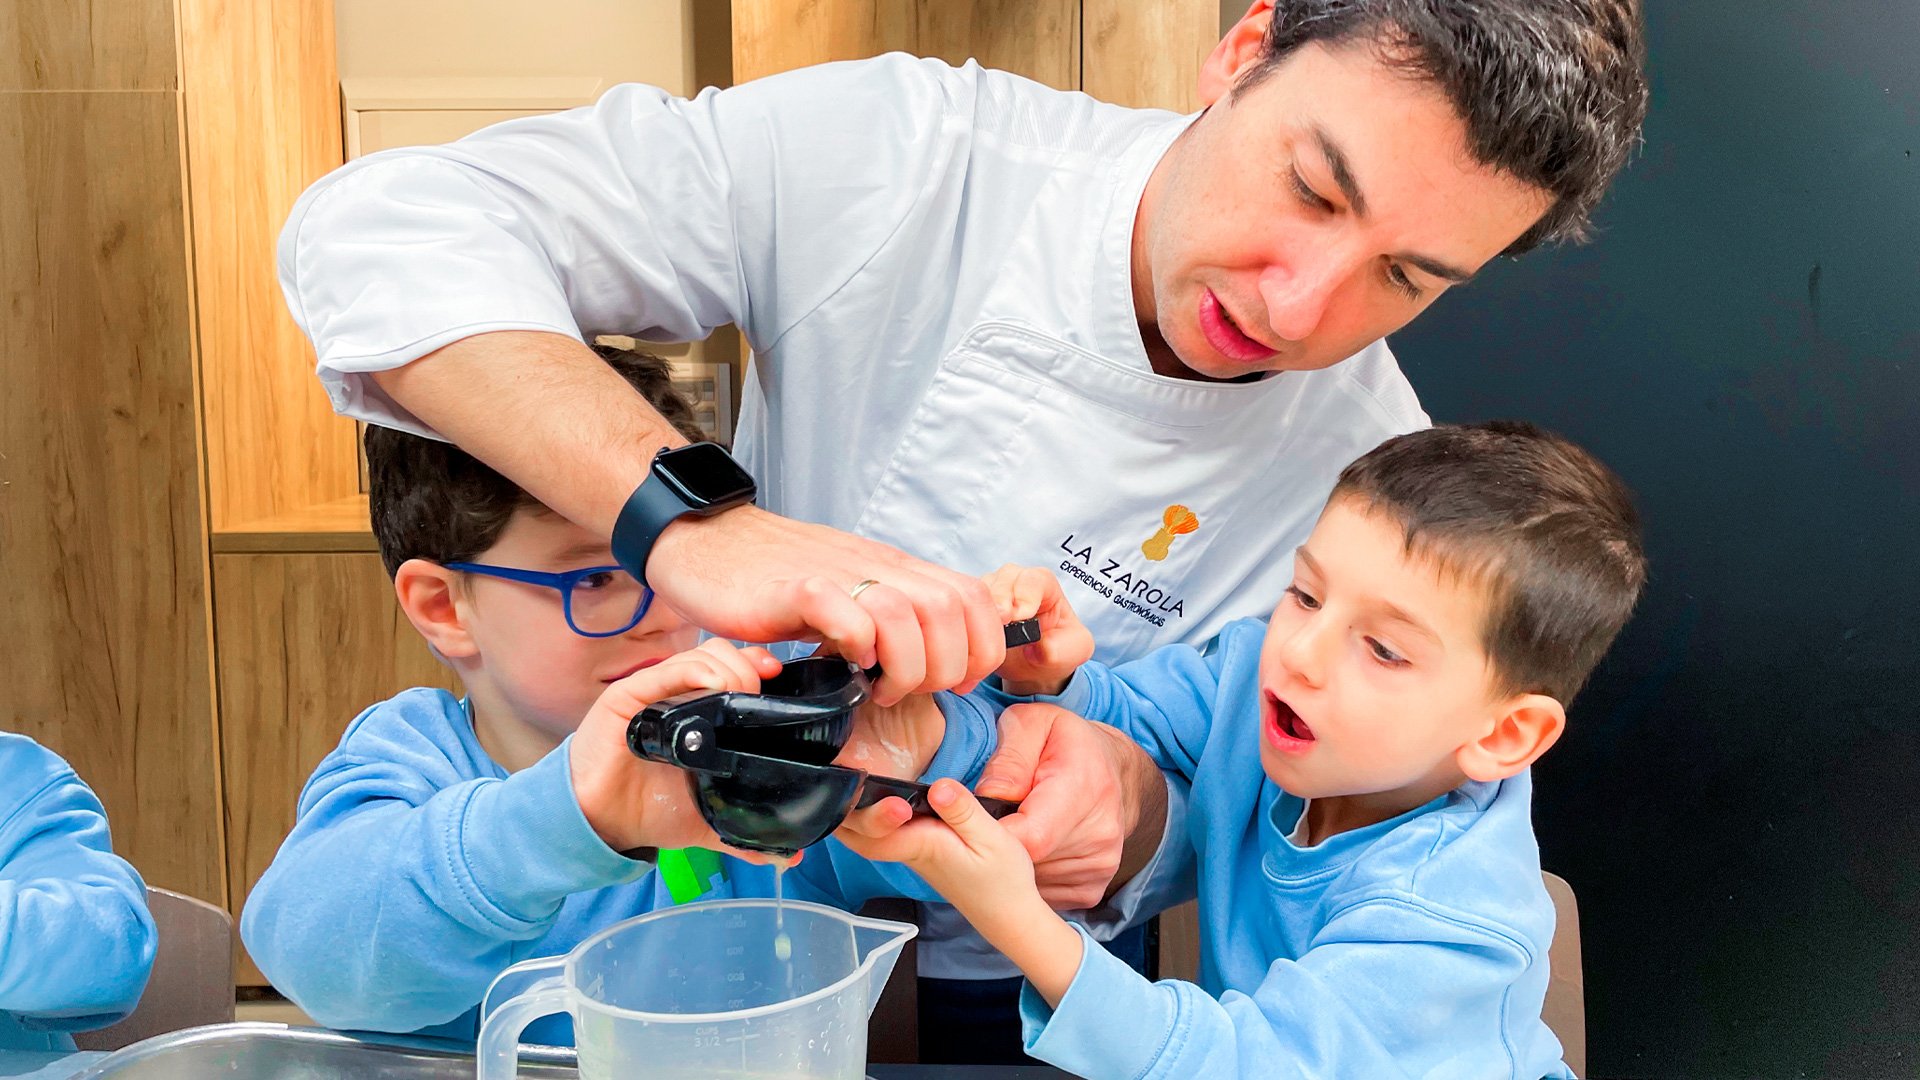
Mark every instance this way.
x=952 y=277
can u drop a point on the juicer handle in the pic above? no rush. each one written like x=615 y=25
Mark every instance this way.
x=876 y=788
x=497 y=1057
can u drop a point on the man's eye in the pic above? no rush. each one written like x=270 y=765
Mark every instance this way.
x=1301 y=598
x=1399 y=280
x=1306 y=194
x=1385 y=655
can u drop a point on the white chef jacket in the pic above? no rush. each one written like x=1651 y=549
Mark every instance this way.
x=933 y=267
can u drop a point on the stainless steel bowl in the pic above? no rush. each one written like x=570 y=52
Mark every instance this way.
x=258 y=1051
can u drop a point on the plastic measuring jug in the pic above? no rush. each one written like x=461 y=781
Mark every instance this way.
x=698 y=991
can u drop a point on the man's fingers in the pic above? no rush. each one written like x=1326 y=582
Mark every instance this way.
x=831 y=614
x=1023 y=735
x=943 y=627
x=986 y=635
x=899 y=645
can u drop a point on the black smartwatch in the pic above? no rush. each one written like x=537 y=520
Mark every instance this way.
x=699 y=478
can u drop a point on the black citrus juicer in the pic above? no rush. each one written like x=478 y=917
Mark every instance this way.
x=761 y=765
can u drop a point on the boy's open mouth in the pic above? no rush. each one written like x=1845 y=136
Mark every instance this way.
x=1289 y=722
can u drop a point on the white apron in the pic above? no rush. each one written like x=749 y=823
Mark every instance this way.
x=1166 y=508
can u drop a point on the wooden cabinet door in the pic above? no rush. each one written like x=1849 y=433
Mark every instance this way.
x=104 y=639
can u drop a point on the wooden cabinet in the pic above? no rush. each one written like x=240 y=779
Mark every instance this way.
x=103 y=540
x=1144 y=53
x=158 y=393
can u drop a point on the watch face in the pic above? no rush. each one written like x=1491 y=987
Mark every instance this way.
x=704 y=475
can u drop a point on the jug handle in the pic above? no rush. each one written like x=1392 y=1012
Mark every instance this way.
x=498 y=1055
x=519 y=977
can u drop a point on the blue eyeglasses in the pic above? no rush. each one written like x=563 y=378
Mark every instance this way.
x=600 y=601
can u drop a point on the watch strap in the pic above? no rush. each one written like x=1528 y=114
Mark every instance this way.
x=648 y=511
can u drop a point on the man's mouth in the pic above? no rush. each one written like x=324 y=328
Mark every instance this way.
x=1225 y=335
x=1286 y=727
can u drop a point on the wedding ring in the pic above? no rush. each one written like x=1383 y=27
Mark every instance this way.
x=863 y=587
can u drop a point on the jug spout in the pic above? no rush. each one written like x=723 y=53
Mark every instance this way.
x=878 y=943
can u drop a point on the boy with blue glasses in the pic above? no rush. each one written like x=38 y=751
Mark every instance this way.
x=76 y=941
x=446 y=839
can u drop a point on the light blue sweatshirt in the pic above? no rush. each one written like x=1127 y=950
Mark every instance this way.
x=1414 y=947
x=419 y=870
x=76 y=942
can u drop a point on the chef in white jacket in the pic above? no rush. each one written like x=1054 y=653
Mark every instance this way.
x=991 y=322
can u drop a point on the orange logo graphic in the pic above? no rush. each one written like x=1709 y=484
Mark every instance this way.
x=1177 y=521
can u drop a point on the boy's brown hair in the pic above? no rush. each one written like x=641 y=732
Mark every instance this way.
x=1541 y=525
x=432 y=500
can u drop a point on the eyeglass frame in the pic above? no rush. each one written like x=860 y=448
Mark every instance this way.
x=564 y=584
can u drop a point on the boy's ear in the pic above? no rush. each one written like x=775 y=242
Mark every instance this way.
x=1524 y=727
x=1235 y=53
x=426 y=594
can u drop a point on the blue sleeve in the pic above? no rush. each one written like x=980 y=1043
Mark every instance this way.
x=1164 y=701
x=76 y=941
x=406 y=887
x=1387 y=990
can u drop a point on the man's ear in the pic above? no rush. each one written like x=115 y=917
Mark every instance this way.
x=1235 y=53
x=1524 y=727
x=427 y=595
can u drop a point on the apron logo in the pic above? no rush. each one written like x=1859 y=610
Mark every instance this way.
x=1120 y=585
x=1176 y=521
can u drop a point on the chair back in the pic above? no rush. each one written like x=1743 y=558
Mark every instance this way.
x=192 y=981
x=1565 y=1011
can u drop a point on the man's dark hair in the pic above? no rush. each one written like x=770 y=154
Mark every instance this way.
x=1552 y=91
x=432 y=500
x=1547 y=531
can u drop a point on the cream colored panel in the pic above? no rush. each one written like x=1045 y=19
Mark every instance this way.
x=388 y=128
x=615 y=40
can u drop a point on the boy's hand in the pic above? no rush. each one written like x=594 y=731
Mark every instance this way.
x=980 y=868
x=631 y=802
x=1024 y=592
x=895 y=740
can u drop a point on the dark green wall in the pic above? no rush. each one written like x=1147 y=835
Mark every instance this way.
x=1737 y=802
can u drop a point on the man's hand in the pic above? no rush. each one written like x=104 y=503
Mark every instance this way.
x=753 y=575
x=745 y=574
x=1092 y=804
x=1042 y=668
x=634 y=803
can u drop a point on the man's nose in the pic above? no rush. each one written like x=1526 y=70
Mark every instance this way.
x=1299 y=293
